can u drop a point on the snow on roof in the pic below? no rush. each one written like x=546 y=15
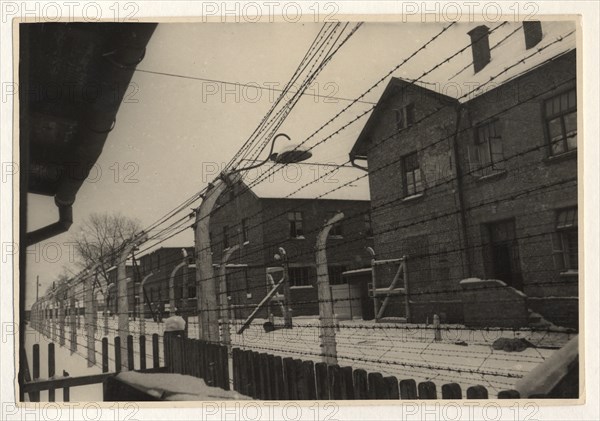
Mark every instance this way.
x=509 y=58
x=456 y=79
x=357 y=271
x=308 y=181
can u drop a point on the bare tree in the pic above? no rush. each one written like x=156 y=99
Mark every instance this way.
x=59 y=281
x=99 y=238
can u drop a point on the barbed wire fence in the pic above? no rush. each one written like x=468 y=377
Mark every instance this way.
x=80 y=314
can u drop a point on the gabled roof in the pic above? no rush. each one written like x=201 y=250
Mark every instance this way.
x=395 y=86
x=308 y=181
x=456 y=79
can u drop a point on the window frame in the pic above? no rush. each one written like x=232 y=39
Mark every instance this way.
x=294 y=231
x=546 y=119
x=564 y=259
x=225 y=239
x=339 y=269
x=405 y=116
x=368 y=224
x=245 y=232
x=481 y=143
x=417 y=170
x=307 y=282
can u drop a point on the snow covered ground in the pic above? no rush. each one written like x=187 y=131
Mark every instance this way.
x=177 y=387
x=463 y=355
x=74 y=363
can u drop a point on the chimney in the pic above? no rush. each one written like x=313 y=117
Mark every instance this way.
x=533 y=33
x=480 y=46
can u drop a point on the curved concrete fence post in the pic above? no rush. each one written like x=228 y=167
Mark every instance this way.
x=141 y=311
x=172 y=303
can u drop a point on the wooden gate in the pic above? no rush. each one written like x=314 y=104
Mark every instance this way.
x=382 y=292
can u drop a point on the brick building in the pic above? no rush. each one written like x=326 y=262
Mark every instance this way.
x=288 y=209
x=164 y=277
x=473 y=173
x=167 y=278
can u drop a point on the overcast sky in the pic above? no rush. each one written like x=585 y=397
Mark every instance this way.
x=170 y=128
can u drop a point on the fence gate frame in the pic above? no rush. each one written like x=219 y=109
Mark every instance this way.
x=377 y=291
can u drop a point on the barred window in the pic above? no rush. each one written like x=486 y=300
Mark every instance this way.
x=299 y=276
x=561 y=122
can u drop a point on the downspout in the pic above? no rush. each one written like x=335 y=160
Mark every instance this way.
x=466 y=256
x=354 y=164
x=65 y=220
x=116 y=72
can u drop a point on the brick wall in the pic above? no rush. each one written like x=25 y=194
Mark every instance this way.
x=268 y=229
x=429 y=229
x=423 y=227
x=528 y=167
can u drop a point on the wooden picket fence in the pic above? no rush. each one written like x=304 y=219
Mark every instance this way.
x=32 y=384
x=197 y=358
x=258 y=375
x=270 y=377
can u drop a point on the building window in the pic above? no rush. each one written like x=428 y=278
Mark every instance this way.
x=488 y=157
x=335 y=274
x=299 y=276
x=244 y=230
x=336 y=229
x=192 y=291
x=405 y=117
x=565 y=240
x=225 y=237
x=296 y=228
x=411 y=174
x=236 y=280
x=157 y=262
x=561 y=122
x=368 y=224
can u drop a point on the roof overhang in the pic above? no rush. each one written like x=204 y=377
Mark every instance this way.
x=73 y=77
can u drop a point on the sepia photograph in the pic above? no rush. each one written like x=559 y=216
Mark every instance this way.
x=321 y=209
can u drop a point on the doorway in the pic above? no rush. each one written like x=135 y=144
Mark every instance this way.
x=503 y=261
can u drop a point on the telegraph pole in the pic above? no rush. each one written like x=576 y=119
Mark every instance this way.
x=326 y=319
